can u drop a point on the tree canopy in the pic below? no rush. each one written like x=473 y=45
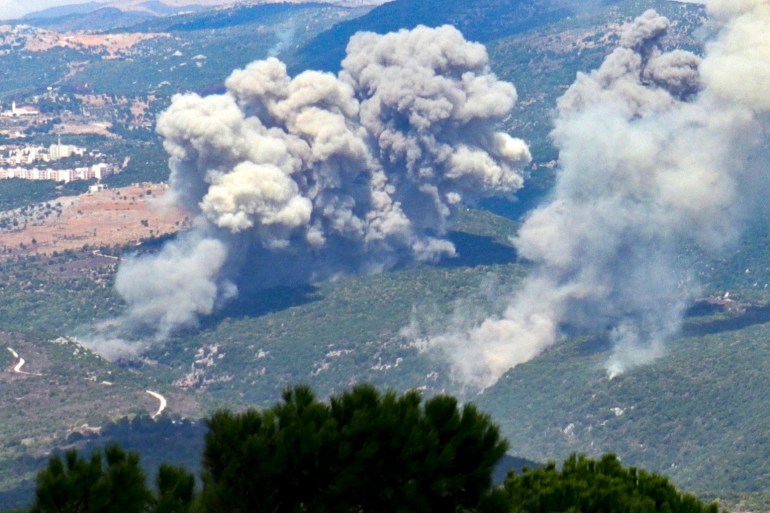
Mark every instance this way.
x=78 y=485
x=586 y=485
x=363 y=451
x=74 y=484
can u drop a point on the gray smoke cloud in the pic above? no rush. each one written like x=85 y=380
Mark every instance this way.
x=654 y=155
x=297 y=179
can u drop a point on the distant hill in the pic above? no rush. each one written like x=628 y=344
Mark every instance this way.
x=154 y=7
x=482 y=20
x=170 y=7
x=227 y=18
x=514 y=464
x=202 y=50
x=104 y=18
x=205 y=47
x=89 y=15
x=163 y=9
x=63 y=10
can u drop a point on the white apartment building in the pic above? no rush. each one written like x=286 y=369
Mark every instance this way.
x=97 y=171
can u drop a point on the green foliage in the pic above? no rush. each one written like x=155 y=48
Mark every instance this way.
x=162 y=441
x=176 y=490
x=64 y=291
x=148 y=162
x=585 y=485
x=18 y=193
x=15 y=193
x=24 y=73
x=223 y=40
x=78 y=485
x=365 y=451
x=74 y=484
x=699 y=414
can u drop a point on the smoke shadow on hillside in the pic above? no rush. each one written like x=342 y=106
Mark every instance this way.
x=751 y=316
x=261 y=302
x=595 y=345
x=474 y=250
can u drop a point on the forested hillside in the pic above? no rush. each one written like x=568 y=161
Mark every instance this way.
x=483 y=21
x=696 y=415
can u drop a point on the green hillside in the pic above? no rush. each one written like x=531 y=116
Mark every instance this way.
x=697 y=415
x=341 y=331
x=62 y=394
x=204 y=48
x=220 y=41
x=482 y=20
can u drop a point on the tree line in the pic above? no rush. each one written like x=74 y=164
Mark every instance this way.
x=363 y=451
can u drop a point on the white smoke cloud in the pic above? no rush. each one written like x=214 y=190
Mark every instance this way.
x=296 y=179
x=187 y=284
x=654 y=155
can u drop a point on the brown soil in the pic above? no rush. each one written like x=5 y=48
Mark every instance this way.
x=113 y=217
x=113 y=44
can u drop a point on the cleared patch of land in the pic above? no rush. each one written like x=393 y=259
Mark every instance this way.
x=112 y=217
x=114 y=45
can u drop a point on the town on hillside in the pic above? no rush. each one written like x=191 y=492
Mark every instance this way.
x=35 y=162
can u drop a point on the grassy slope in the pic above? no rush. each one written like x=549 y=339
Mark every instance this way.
x=299 y=329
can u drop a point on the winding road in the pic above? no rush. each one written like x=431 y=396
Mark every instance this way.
x=19 y=364
x=162 y=400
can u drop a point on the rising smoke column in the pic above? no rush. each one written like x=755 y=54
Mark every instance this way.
x=654 y=154
x=292 y=180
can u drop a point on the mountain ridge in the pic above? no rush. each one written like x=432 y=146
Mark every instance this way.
x=170 y=7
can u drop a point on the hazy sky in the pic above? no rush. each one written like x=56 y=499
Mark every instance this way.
x=15 y=8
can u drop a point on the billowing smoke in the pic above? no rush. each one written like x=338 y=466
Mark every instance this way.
x=654 y=157
x=298 y=179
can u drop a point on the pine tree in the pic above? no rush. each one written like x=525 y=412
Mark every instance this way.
x=363 y=451
x=176 y=490
x=589 y=486
x=78 y=485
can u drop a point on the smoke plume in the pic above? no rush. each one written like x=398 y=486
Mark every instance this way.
x=654 y=156
x=296 y=179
